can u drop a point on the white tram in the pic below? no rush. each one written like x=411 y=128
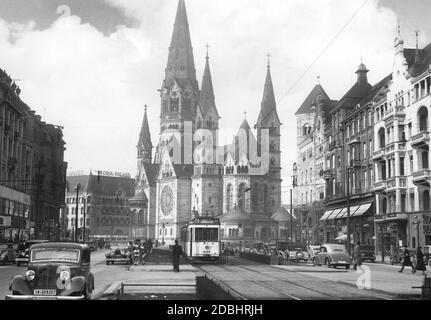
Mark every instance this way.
x=201 y=239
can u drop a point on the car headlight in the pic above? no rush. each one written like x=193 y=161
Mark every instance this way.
x=64 y=275
x=30 y=274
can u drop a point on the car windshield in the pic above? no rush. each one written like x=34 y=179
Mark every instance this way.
x=336 y=249
x=51 y=254
x=296 y=247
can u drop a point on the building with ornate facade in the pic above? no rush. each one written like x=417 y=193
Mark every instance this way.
x=190 y=174
x=376 y=157
x=32 y=169
x=103 y=203
x=312 y=120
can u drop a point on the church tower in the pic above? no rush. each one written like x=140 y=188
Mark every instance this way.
x=180 y=89
x=269 y=121
x=207 y=178
x=145 y=146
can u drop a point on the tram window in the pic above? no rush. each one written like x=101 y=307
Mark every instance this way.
x=206 y=234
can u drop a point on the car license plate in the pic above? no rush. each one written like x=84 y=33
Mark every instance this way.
x=45 y=292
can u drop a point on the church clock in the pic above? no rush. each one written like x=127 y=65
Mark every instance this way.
x=167 y=200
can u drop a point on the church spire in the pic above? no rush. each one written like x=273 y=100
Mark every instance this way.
x=180 y=61
x=268 y=101
x=145 y=145
x=207 y=98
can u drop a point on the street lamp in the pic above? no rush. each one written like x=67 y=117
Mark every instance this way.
x=78 y=187
x=295 y=169
x=85 y=209
x=348 y=210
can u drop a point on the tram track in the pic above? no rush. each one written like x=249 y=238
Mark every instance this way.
x=290 y=296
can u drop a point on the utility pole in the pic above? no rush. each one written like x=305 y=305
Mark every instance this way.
x=83 y=229
x=291 y=215
x=78 y=187
x=348 y=210
x=417 y=230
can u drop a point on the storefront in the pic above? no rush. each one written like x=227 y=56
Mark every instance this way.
x=334 y=222
x=390 y=231
x=14 y=215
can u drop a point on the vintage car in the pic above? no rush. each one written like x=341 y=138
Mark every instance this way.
x=56 y=271
x=7 y=254
x=367 y=253
x=333 y=255
x=22 y=252
x=297 y=252
x=119 y=255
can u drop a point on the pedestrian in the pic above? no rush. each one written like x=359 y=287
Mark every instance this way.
x=177 y=252
x=420 y=263
x=357 y=256
x=406 y=260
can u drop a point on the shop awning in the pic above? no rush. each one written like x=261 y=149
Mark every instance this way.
x=362 y=209
x=352 y=212
x=334 y=214
x=326 y=215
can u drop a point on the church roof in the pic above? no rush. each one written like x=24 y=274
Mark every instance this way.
x=236 y=214
x=103 y=185
x=145 y=135
x=282 y=215
x=268 y=104
x=180 y=61
x=207 y=98
x=311 y=99
x=418 y=60
x=139 y=196
x=152 y=170
x=183 y=170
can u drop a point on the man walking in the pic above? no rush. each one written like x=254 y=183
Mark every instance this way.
x=406 y=260
x=357 y=256
x=177 y=252
x=420 y=264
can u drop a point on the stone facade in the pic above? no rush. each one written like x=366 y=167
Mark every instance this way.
x=32 y=169
x=190 y=173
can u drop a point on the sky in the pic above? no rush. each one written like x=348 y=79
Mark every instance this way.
x=91 y=66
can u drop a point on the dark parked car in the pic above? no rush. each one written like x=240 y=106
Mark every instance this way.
x=23 y=249
x=56 y=271
x=333 y=255
x=119 y=255
x=368 y=253
x=297 y=252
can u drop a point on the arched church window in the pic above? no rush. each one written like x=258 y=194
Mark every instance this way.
x=186 y=101
x=174 y=102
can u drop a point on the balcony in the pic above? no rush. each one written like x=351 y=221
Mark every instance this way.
x=379 y=186
x=396 y=182
x=332 y=145
x=379 y=155
x=421 y=140
x=422 y=177
x=355 y=163
x=395 y=147
x=327 y=174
